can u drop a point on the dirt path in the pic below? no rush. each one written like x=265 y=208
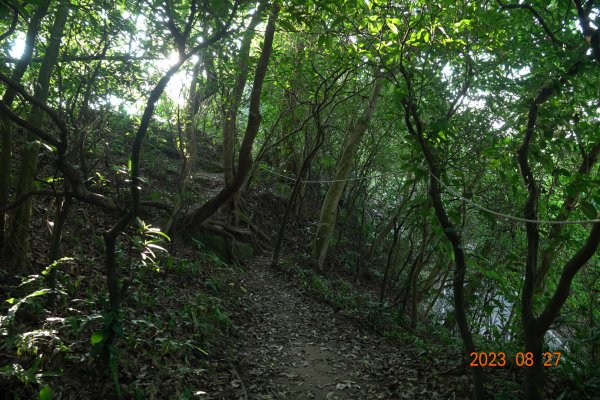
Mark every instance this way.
x=294 y=347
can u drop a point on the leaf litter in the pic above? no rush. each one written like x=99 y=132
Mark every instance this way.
x=290 y=345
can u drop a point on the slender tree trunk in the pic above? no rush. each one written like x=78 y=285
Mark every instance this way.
x=287 y=150
x=188 y=146
x=390 y=257
x=297 y=205
x=5 y=124
x=534 y=327
x=390 y=224
x=438 y=293
x=400 y=269
x=116 y=290
x=415 y=127
x=196 y=217
x=231 y=109
x=18 y=246
x=334 y=193
x=63 y=207
x=570 y=202
x=295 y=194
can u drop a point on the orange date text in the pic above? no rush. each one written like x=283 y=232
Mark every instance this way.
x=499 y=359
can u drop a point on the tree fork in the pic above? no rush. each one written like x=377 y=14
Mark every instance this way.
x=245 y=162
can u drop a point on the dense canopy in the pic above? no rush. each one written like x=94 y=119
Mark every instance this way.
x=429 y=169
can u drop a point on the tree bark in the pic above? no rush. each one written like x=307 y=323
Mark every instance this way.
x=18 y=237
x=231 y=107
x=5 y=125
x=63 y=206
x=201 y=214
x=415 y=127
x=554 y=242
x=334 y=193
x=532 y=328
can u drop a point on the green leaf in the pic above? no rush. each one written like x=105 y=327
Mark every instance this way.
x=392 y=27
x=39 y=293
x=328 y=161
x=161 y=233
x=97 y=337
x=462 y=24
x=155 y=246
x=4 y=11
x=589 y=210
x=46 y=393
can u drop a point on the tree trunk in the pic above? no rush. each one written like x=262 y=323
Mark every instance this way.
x=5 y=125
x=390 y=258
x=415 y=127
x=332 y=198
x=534 y=327
x=392 y=221
x=296 y=191
x=188 y=146
x=63 y=207
x=117 y=291
x=570 y=202
x=199 y=215
x=231 y=108
x=18 y=237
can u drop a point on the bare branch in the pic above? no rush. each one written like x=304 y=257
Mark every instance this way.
x=591 y=35
x=22 y=198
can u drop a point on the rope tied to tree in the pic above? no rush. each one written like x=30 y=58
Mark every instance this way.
x=450 y=191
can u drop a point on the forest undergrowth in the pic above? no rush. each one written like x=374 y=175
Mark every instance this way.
x=287 y=199
x=195 y=326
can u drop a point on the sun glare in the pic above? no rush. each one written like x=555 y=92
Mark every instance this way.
x=18 y=47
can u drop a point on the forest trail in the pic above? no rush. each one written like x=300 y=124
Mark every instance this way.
x=294 y=347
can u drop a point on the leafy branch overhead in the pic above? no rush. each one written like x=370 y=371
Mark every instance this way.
x=243 y=198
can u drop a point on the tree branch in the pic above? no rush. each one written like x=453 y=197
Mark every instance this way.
x=22 y=198
x=13 y=25
x=90 y=57
x=591 y=35
x=570 y=269
x=537 y=16
x=17 y=87
x=29 y=126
